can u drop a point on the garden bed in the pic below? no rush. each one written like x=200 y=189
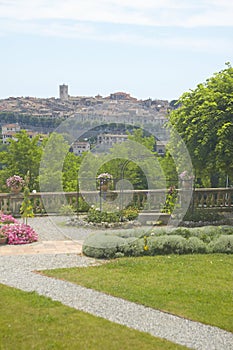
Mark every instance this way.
x=160 y=241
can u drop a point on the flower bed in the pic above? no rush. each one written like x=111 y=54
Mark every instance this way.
x=20 y=234
x=15 y=232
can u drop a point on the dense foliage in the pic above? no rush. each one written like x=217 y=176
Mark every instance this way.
x=23 y=158
x=205 y=122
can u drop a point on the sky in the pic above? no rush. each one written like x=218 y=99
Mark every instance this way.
x=155 y=49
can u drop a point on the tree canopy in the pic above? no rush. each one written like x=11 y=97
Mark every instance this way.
x=21 y=156
x=204 y=120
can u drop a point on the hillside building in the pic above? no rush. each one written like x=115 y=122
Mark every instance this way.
x=63 y=92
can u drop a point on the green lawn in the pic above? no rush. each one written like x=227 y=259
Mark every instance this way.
x=29 y=321
x=198 y=287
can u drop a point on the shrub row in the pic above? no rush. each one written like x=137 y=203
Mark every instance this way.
x=160 y=242
x=96 y=216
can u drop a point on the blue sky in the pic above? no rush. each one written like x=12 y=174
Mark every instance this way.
x=148 y=48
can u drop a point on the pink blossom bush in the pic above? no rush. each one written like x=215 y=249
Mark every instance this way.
x=20 y=234
x=7 y=219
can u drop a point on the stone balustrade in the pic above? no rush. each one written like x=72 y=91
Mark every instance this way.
x=219 y=198
x=151 y=200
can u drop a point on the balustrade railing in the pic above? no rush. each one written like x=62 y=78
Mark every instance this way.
x=151 y=200
x=219 y=198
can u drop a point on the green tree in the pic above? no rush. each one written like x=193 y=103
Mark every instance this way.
x=70 y=172
x=135 y=160
x=169 y=168
x=205 y=122
x=20 y=157
x=138 y=136
x=55 y=151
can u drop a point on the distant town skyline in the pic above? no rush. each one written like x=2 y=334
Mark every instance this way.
x=149 y=49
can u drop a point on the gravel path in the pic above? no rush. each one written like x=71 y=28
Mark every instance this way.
x=17 y=271
x=53 y=228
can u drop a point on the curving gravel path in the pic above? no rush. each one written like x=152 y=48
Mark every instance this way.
x=19 y=272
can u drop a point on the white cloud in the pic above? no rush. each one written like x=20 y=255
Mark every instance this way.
x=92 y=32
x=85 y=19
x=179 y=13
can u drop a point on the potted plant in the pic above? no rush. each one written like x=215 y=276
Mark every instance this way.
x=104 y=180
x=15 y=183
x=3 y=237
x=187 y=180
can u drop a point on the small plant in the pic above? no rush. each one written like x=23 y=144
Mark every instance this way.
x=26 y=208
x=83 y=206
x=66 y=210
x=97 y=216
x=20 y=234
x=130 y=213
x=15 y=181
x=145 y=244
x=170 y=201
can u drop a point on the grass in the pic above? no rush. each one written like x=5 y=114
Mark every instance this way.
x=29 y=321
x=198 y=287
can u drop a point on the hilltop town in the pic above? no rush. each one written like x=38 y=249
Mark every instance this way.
x=43 y=115
x=66 y=105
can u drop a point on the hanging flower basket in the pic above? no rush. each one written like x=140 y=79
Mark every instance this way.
x=186 y=179
x=15 y=183
x=104 y=180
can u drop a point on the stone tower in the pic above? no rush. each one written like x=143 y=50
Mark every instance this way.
x=63 y=89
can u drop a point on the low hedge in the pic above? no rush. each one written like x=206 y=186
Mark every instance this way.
x=160 y=241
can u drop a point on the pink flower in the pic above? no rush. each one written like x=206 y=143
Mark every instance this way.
x=20 y=234
x=7 y=219
x=15 y=181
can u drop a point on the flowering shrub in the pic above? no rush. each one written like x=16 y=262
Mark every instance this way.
x=20 y=234
x=15 y=181
x=7 y=219
x=104 y=177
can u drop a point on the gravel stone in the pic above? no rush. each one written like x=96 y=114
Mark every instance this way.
x=19 y=272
